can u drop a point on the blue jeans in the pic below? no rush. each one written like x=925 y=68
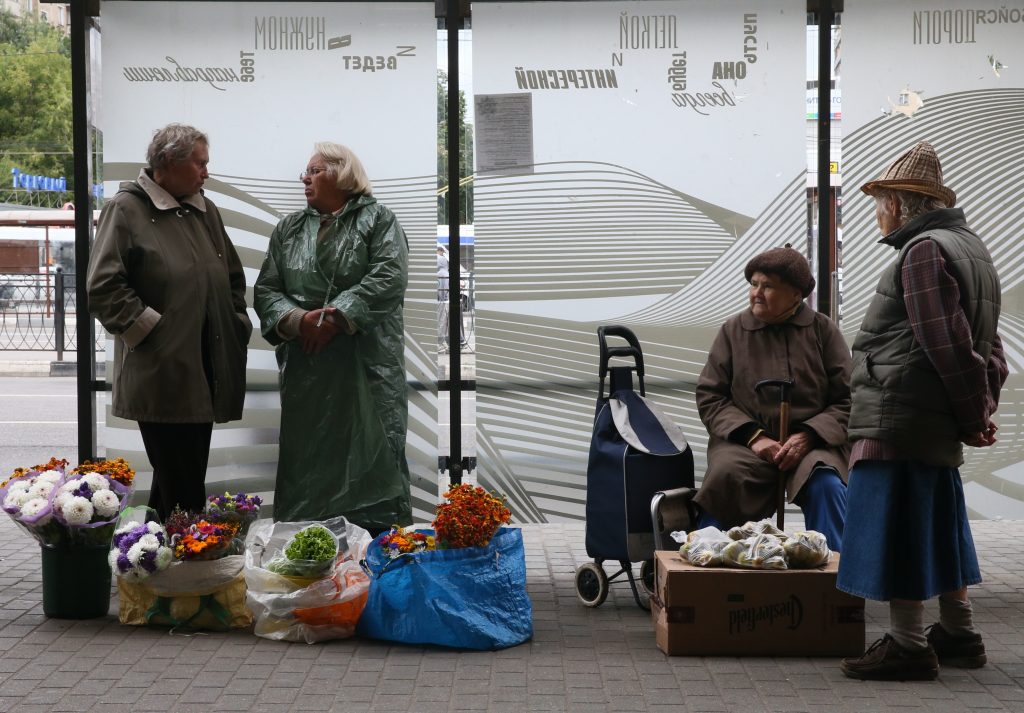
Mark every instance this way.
x=823 y=502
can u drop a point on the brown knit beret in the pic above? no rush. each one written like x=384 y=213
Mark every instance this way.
x=786 y=264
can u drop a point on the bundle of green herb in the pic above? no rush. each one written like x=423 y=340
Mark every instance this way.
x=309 y=553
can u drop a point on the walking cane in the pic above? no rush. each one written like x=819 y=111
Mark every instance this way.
x=784 y=386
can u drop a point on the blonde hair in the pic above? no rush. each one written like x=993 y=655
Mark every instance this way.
x=345 y=167
x=173 y=144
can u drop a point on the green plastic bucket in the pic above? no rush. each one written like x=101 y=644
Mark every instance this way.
x=76 y=582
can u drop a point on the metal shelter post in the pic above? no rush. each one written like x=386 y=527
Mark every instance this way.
x=81 y=24
x=826 y=18
x=453 y=20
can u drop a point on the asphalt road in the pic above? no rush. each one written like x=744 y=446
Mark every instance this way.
x=37 y=420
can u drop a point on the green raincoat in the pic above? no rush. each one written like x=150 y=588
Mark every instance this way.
x=344 y=411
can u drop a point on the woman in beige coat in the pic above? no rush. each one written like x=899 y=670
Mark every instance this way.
x=166 y=282
x=778 y=337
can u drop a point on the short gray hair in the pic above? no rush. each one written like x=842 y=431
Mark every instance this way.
x=912 y=204
x=173 y=144
x=345 y=167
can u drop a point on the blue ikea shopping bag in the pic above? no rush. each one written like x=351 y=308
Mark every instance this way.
x=471 y=598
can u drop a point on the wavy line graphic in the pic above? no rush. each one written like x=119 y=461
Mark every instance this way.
x=244 y=453
x=589 y=231
x=979 y=136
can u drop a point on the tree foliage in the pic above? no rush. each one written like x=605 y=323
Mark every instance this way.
x=35 y=102
x=465 y=155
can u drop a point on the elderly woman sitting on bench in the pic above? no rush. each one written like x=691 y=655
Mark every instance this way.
x=805 y=364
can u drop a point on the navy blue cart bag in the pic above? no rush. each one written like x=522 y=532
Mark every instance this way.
x=635 y=452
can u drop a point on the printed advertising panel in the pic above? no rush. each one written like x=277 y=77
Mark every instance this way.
x=951 y=73
x=631 y=158
x=265 y=80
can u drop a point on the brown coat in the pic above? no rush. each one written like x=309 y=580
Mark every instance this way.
x=166 y=282
x=809 y=349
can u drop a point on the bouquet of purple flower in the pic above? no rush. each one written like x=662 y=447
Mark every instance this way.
x=238 y=508
x=140 y=549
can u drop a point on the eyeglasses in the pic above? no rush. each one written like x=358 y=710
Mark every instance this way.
x=311 y=173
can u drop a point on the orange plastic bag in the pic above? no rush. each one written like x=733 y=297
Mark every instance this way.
x=340 y=614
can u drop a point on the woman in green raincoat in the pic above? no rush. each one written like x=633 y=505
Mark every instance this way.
x=329 y=297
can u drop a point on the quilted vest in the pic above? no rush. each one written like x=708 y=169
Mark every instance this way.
x=898 y=396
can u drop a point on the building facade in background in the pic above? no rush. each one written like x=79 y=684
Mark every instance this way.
x=57 y=14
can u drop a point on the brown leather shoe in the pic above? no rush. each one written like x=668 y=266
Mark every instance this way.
x=957 y=651
x=885 y=660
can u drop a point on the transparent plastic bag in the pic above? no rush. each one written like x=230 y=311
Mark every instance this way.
x=703 y=548
x=753 y=529
x=196 y=577
x=287 y=564
x=310 y=609
x=760 y=552
x=806 y=550
x=218 y=610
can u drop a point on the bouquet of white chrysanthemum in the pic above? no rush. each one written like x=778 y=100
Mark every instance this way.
x=88 y=505
x=27 y=497
x=139 y=550
x=61 y=508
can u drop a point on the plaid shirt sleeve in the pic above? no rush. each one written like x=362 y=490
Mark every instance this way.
x=932 y=297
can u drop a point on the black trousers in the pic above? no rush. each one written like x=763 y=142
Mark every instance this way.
x=179 y=453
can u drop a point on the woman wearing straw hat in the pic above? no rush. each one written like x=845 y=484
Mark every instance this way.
x=928 y=367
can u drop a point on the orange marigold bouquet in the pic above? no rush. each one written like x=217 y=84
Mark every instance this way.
x=117 y=470
x=470 y=517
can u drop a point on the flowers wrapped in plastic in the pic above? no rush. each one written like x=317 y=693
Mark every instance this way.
x=27 y=496
x=72 y=515
x=400 y=541
x=68 y=509
x=239 y=508
x=140 y=549
x=193 y=580
x=193 y=537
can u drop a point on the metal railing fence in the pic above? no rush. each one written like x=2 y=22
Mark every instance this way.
x=37 y=313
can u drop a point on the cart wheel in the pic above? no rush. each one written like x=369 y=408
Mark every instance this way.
x=591 y=584
x=647 y=576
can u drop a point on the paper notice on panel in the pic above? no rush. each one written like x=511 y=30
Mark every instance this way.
x=504 y=133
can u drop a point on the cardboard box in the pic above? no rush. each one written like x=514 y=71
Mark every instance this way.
x=718 y=611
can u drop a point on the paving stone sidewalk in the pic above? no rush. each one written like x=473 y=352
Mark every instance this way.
x=580 y=659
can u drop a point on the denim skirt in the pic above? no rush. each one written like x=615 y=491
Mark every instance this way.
x=907 y=534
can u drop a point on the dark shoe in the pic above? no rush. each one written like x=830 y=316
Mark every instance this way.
x=885 y=660
x=957 y=651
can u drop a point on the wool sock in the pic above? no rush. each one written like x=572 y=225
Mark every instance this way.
x=956 y=616
x=907 y=622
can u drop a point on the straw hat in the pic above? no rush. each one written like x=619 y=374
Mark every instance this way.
x=918 y=171
x=787 y=264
